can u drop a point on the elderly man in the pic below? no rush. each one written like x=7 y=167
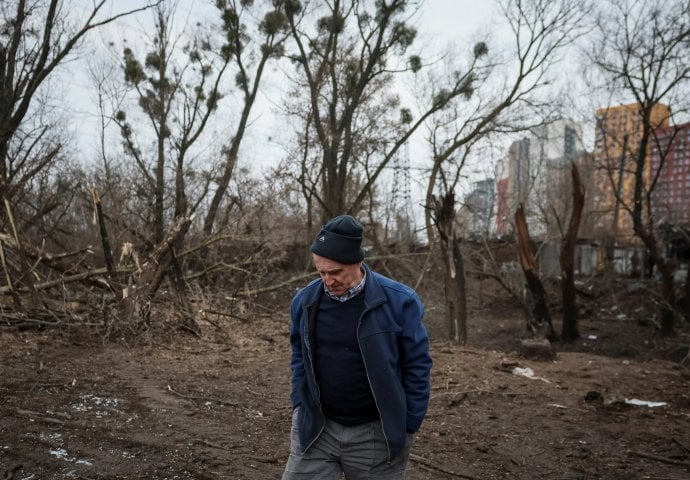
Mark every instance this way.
x=360 y=365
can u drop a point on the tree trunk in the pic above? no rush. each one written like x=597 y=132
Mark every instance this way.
x=539 y=320
x=666 y=269
x=454 y=289
x=333 y=185
x=454 y=269
x=459 y=294
x=181 y=202
x=4 y=148
x=105 y=241
x=228 y=169
x=569 y=329
x=668 y=294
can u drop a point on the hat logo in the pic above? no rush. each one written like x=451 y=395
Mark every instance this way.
x=322 y=238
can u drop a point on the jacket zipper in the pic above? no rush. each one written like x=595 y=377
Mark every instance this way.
x=366 y=371
x=318 y=391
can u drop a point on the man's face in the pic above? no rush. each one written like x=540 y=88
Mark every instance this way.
x=338 y=277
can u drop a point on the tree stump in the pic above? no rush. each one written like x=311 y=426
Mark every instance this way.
x=537 y=349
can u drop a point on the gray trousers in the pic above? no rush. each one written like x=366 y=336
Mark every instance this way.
x=358 y=452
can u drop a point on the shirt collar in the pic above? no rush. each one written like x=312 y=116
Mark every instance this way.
x=352 y=292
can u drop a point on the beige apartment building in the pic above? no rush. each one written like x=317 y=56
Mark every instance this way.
x=611 y=190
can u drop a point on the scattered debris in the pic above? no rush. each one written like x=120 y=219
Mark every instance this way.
x=658 y=458
x=92 y=402
x=529 y=373
x=644 y=403
x=509 y=366
x=61 y=453
x=612 y=398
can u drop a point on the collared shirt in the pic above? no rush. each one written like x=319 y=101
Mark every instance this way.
x=350 y=293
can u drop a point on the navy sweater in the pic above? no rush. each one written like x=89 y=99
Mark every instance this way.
x=346 y=397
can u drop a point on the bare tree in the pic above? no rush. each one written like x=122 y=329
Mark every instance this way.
x=36 y=37
x=37 y=183
x=643 y=52
x=240 y=49
x=349 y=62
x=177 y=98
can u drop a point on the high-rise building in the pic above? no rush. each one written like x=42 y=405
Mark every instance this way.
x=479 y=206
x=539 y=176
x=670 y=174
x=616 y=145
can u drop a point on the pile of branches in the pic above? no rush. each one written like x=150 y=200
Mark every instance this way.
x=159 y=284
x=41 y=288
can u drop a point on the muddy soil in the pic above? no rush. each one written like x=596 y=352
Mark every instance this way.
x=613 y=405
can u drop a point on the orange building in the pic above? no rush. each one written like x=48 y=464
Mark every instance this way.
x=616 y=144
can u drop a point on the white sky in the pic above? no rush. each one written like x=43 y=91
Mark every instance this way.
x=440 y=23
x=455 y=19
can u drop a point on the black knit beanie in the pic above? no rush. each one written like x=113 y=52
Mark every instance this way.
x=340 y=240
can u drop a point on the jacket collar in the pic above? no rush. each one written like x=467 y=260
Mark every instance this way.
x=373 y=293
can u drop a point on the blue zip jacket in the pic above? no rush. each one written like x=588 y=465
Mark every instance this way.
x=395 y=348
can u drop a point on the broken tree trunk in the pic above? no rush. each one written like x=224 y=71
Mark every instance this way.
x=569 y=329
x=105 y=241
x=136 y=303
x=539 y=319
x=454 y=269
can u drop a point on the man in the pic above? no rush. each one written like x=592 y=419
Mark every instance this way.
x=360 y=366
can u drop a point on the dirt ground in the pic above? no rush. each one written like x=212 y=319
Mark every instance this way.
x=217 y=407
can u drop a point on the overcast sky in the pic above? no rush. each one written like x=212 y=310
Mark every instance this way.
x=440 y=23
x=455 y=19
